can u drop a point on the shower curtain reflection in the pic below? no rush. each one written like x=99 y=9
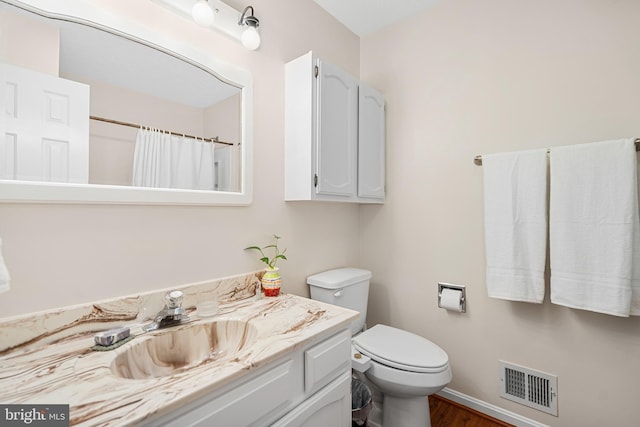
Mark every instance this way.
x=162 y=160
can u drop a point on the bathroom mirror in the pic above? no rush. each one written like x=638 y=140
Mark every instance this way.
x=132 y=76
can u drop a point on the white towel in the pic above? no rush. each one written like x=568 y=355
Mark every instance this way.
x=515 y=224
x=593 y=226
x=635 y=273
x=4 y=273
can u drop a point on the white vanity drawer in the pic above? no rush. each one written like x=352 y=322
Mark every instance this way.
x=326 y=361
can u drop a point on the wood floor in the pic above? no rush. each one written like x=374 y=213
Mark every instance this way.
x=445 y=413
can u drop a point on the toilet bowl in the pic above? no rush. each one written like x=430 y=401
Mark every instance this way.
x=404 y=367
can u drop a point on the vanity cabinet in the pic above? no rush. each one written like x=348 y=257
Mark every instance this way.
x=329 y=407
x=309 y=387
x=334 y=134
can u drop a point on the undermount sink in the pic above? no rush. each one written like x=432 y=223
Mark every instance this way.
x=178 y=349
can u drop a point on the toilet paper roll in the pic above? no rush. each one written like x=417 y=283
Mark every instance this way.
x=451 y=299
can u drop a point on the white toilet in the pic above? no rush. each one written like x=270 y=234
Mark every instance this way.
x=404 y=367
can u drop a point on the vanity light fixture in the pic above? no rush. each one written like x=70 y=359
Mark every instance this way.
x=203 y=13
x=239 y=26
x=250 y=37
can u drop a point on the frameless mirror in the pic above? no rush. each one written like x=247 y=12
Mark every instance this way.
x=103 y=109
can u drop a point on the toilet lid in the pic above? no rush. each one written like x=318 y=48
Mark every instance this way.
x=401 y=349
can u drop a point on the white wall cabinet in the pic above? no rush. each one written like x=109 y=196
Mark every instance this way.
x=334 y=134
x=306 y=388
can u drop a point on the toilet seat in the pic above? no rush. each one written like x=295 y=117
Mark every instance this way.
x=401 y=350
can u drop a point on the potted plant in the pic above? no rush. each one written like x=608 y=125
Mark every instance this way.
x=270 y=280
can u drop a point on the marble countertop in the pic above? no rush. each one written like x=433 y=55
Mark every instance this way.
x=67 y=371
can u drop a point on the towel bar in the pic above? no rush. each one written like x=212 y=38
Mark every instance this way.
x=478 y=159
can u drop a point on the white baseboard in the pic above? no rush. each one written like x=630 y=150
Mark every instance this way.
x=489 y=409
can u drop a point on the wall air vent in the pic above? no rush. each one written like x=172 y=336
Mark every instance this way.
x=528 y=387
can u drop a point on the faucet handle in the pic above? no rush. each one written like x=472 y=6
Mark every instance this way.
x=173 y=299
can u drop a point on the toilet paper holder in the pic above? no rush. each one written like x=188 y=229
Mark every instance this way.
x=461 y=288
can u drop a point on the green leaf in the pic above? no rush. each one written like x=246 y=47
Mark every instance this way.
x=277 y=254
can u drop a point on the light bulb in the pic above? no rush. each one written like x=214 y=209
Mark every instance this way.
x=202 y=13
x=250 y=38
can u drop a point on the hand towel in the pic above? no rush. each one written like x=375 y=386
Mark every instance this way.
x=4 y=273
x=593 y=226
x=635 y=273
x=515 y=224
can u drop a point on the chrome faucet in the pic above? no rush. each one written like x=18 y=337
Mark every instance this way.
x=172 y=314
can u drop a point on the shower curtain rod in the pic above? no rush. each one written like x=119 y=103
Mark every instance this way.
x=478 y=159
x=133 y=125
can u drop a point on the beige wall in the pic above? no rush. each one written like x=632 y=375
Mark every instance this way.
x=39 y=43
x=223 y=119
x=466 y=78
x=60 y=254
x=461 y=79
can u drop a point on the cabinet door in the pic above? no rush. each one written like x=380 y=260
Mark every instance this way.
x=331 y=406
x=371 y=140
x=337 y=132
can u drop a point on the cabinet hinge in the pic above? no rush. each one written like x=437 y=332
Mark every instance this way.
x=315 y=180
x=316 y=71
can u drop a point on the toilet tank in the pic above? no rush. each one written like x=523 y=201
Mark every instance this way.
x=345 y=287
